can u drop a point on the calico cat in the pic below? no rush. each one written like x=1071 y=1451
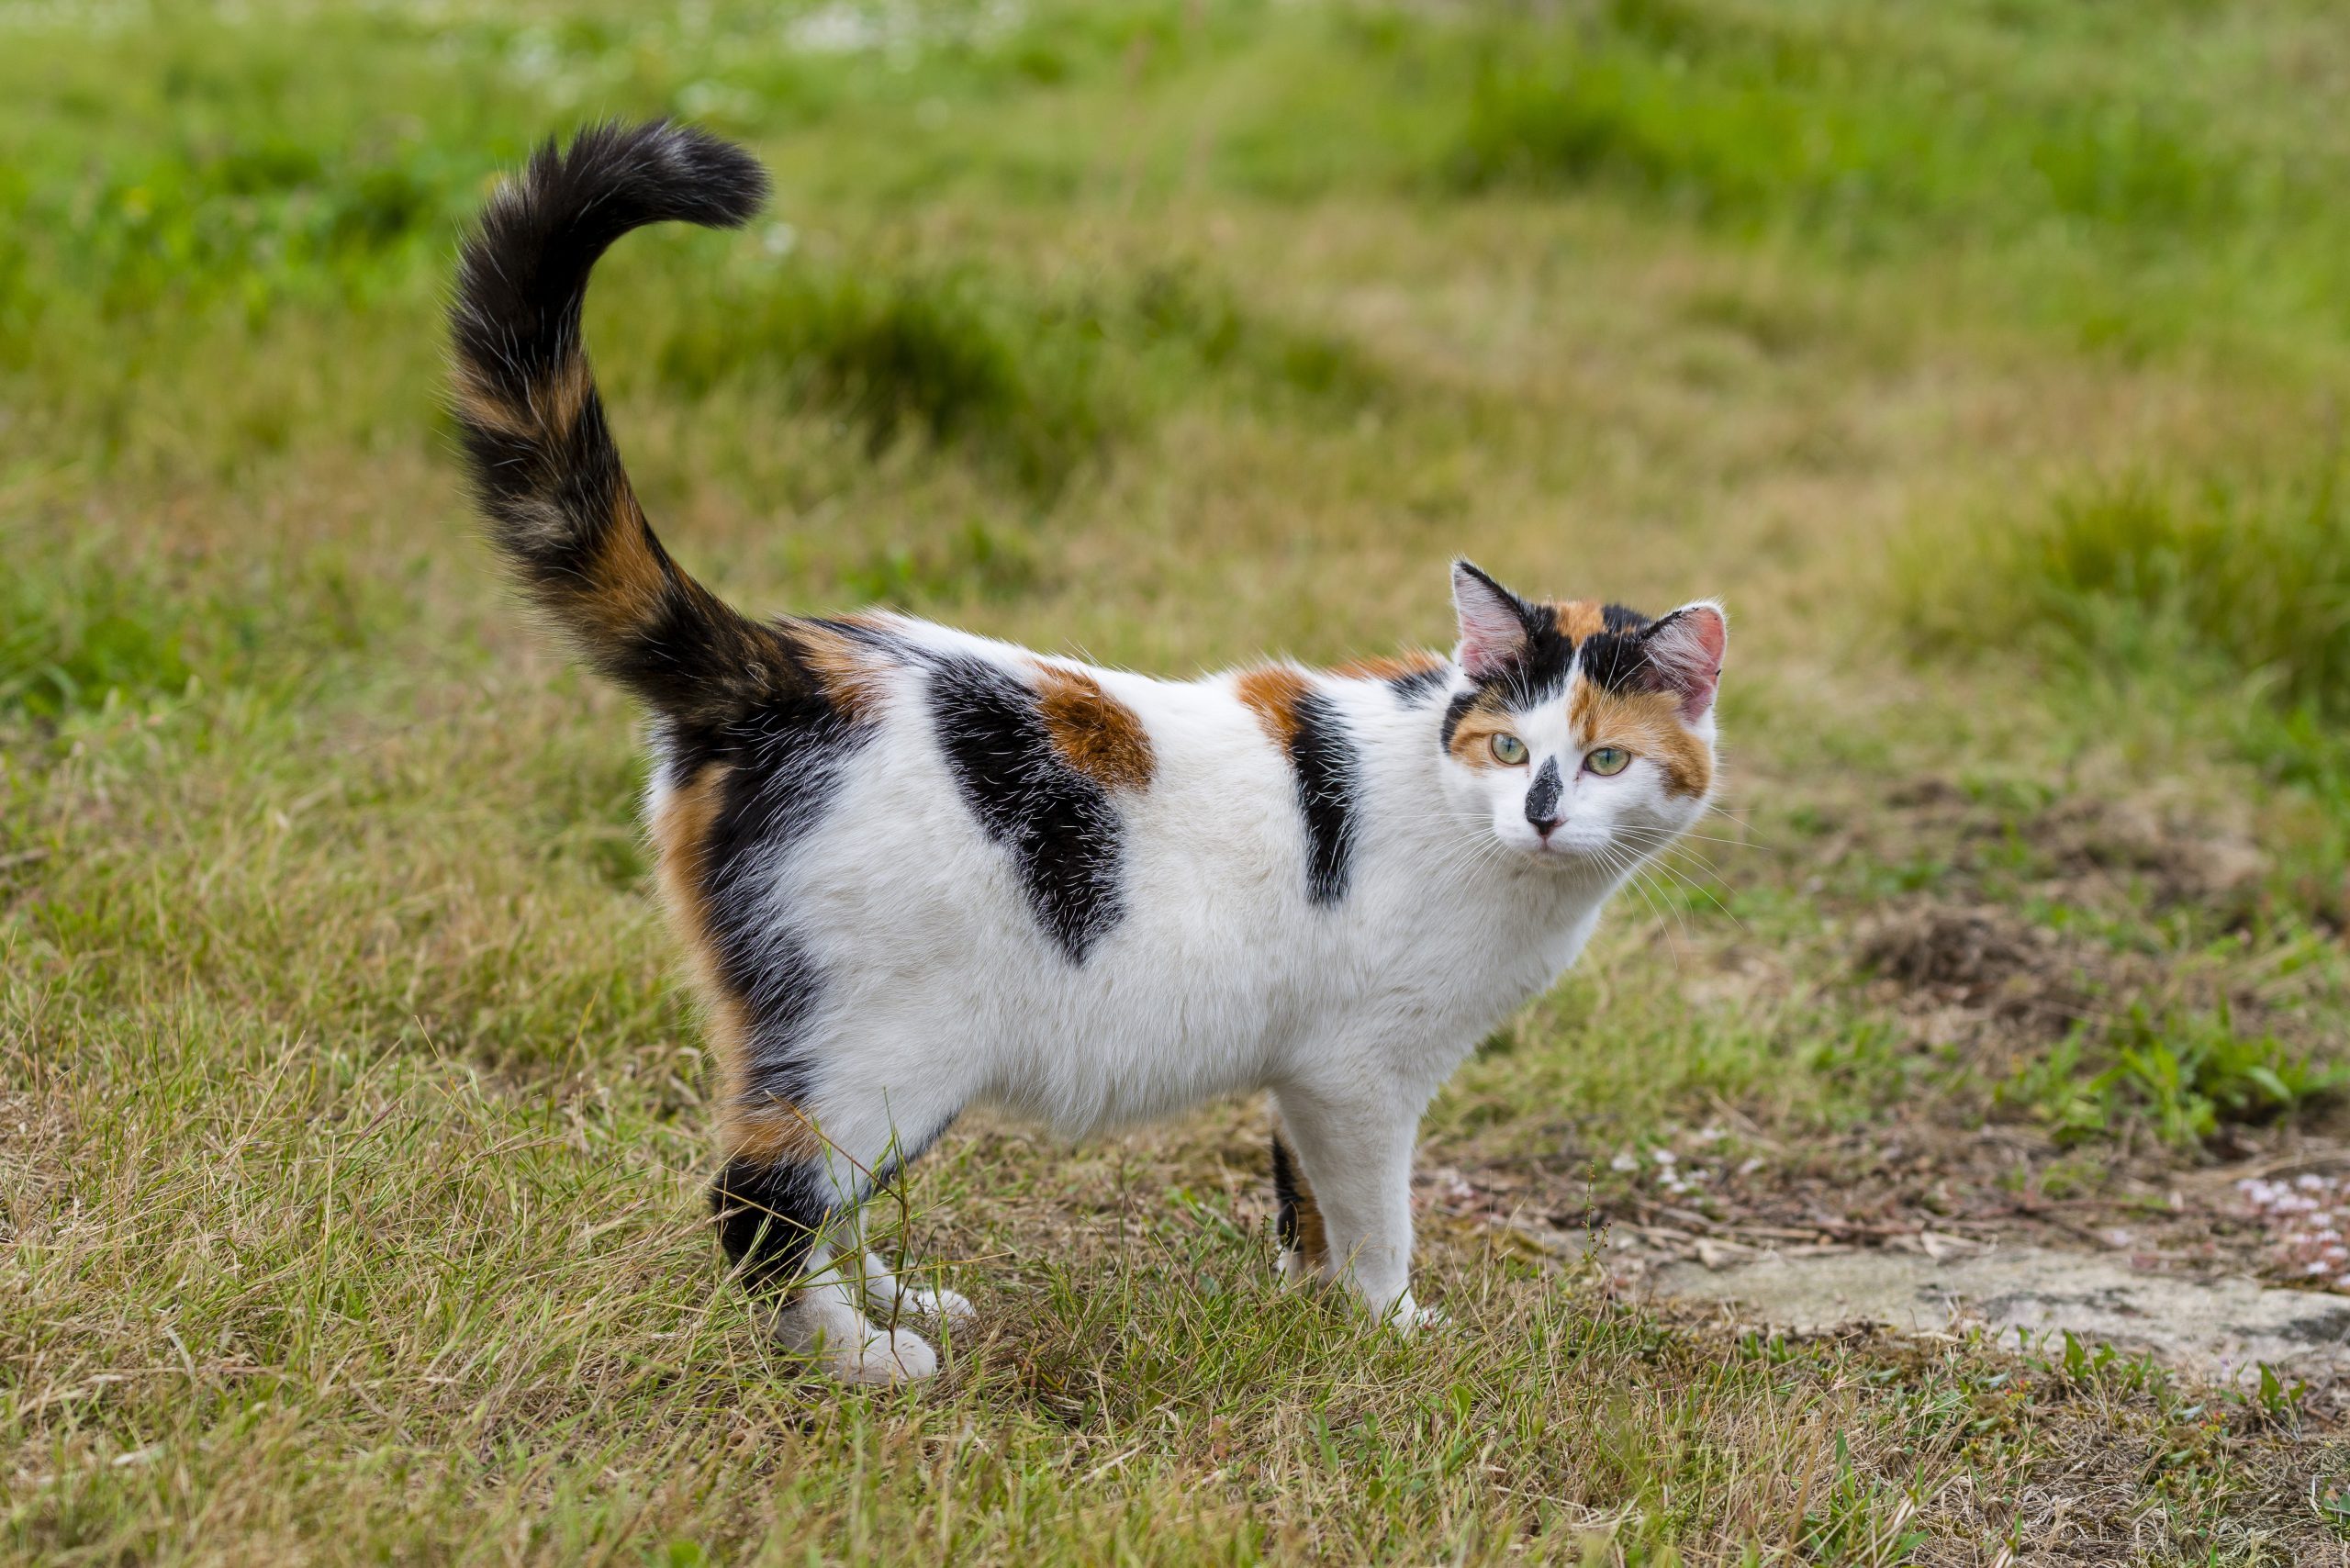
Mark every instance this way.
x=918 y=870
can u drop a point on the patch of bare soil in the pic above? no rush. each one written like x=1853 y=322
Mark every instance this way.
x=1958 y=970
x=2089 y=848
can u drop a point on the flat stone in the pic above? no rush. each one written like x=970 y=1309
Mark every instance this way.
x=2220 y=1330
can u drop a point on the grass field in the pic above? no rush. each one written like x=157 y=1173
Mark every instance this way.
x=1986 y=358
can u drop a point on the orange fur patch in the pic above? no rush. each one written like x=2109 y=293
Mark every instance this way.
x=680 y=832
x=1312 y=1234
x=1273 y=694
x=1473 y=737
x=1095 y=734
x=1579 y=618
x=625 y=580
x=1390 y=667
x=480 y=404
x=842 y=665
x=1647 y=723
x=557 y=399
x=554 y=401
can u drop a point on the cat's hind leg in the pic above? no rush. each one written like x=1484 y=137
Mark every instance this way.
x=779 y=1220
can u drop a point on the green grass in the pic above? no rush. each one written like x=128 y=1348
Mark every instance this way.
x=352 y=1114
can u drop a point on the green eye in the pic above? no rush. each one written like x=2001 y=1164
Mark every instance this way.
x=1508 y=750
x=1608 y=759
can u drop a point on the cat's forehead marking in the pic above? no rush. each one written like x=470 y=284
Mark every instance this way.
x=1579 y=618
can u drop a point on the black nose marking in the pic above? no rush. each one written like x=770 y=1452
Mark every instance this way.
x=1542 y=799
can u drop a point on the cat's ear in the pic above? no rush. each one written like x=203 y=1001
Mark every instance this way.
x=1685 y=653
x=1492 y=621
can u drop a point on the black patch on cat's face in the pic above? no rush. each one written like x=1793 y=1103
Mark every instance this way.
x=1064 y=835
x=1456 y=710
x=1539 y=674
x=1543 y=800
x=1617 y=659
x=1328 y=772
x=768 y=1216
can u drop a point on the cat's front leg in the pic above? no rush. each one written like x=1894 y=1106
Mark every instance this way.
x=1353 y=1175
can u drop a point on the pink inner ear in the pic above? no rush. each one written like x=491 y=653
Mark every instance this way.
x=1492 y=632
x=1687 y=648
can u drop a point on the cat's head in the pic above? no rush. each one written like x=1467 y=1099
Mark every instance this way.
x=1584 y=734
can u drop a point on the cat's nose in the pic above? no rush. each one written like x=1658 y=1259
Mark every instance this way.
x=1544 y=825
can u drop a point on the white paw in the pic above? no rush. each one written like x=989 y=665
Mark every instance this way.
x=894 y=1355
x=842 y=1344
x=1291 y=1267
x=1407 y=1316
x=943 y=1308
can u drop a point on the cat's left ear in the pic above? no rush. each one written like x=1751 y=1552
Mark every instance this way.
x=1685 y=653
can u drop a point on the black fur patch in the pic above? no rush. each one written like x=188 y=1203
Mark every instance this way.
x=1064 y=834
x=1543 y=800
x=1456 y=710
x=1284 y=1195
x=1322 y=756
x=1617 y=659
x=770 y=1215
x=785 y=756
x=1411 y=688
x=547 y=474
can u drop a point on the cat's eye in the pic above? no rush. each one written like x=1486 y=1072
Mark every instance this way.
x=1508 y=750
x=1606 y=759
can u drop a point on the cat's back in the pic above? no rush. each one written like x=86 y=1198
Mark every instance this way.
x=1100 y=894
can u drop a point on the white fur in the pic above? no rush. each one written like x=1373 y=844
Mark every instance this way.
x=941 y=991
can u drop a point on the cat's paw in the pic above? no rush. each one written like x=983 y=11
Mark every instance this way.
x=839 y=1342
x=1407 y=1316
x=945 y=1308
x=889 y=1356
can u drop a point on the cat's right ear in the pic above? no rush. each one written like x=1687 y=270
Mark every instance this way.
x=1492 y=621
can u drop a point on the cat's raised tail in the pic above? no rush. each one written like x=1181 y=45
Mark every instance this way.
x=549 y=480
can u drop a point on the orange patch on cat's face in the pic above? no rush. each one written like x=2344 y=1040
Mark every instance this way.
x=1473 y=737
x=681 y=830
x=1645 y=724
x=1578 y=619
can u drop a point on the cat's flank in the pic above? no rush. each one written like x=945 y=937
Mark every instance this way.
x=918 y=870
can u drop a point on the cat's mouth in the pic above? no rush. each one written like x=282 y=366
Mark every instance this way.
x=1567 y=844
